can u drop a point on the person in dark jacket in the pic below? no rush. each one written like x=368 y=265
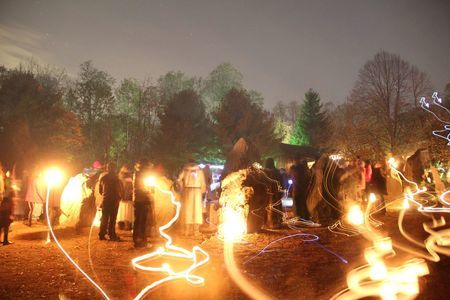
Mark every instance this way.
x=378 y=185
x=111 y=189
x=302 y=178
x=142 y=203
x=6 y=215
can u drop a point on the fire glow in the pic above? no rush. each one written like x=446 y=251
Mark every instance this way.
x=376 y=278
x=198 y=256
x=53 y=177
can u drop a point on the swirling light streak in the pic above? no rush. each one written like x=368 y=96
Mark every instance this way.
x=233 y=228
x=170 y=250
x=305 y=237
x=438 y=101
x=409 y=196
x=439 y=240
x=95 y=223
x=376 y=278
x=443 y=133
x=54 y=177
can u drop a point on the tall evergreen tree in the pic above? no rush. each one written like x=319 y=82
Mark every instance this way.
x=311 y=126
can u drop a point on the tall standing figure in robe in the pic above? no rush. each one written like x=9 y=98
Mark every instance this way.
x=192 y=182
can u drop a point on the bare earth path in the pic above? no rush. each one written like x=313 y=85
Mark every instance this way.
x=291 y=269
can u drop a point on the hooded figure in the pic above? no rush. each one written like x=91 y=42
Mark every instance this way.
x=192 y=183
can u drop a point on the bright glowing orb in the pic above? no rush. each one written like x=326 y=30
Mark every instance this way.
x=150 y=181
x=355 y=215
x=234 y=225
x=393 y=163
x=53 y=176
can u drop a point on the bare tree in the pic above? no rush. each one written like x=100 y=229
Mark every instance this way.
x=384 y=97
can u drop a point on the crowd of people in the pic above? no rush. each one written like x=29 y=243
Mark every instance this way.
x=324 y=189
x=123 y=197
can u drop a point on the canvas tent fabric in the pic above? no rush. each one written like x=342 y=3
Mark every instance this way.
x=74 y=199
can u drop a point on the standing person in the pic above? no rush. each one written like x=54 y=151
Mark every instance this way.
x=125 y=214
x=368 y=176
x=274 y=219
x=142 y=202
x=2 y=181
x=208 y=193
x=111 y=190
x=360 y=166
x=192 y=182
x=378 y=185
x=35 y=196
x=302 y=178
x=6 y=215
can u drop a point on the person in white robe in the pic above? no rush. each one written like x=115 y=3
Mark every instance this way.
x=192 y=183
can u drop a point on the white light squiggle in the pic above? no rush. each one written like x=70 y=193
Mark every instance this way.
x=172 y=251
x=443 y=133
x=53 y=177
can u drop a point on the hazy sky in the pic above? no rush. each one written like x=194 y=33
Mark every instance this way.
x=281 y=47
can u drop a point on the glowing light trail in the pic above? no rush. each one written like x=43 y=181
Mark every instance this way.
x=376 y=278
x=305 y=237
x=54 y=177
x=170 y=250
x=444 y=133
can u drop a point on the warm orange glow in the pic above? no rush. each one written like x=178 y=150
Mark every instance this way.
x=53 y=176
x=355 y=215
x=234 y=207
x=198 y=256
x=376 y=278
x=150 y=181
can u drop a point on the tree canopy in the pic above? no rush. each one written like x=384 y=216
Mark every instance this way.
x=184 y=132
x=239 y=117
x=311 y=126
x=33 y=122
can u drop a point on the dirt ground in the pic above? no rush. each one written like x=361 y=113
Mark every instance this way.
x=289 y=269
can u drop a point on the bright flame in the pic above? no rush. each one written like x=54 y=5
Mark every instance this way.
x=355 y=215
x=53 y=176
x=393 y=163
x=376 y=278
x=170 y=251
x=234 y=207
x=372 y=197
x=150 y=181
x=234 y=226
x=234 y=203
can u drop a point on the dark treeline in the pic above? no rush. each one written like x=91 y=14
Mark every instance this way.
x=47 y=116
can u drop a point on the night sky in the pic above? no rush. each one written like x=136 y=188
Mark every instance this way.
x=281 y=47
